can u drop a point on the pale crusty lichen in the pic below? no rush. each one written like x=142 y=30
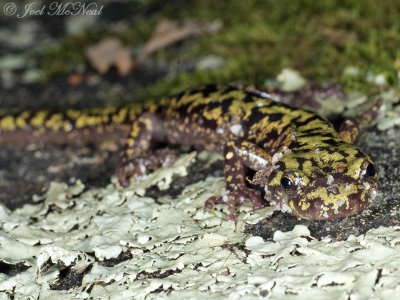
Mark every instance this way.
x=178 y=251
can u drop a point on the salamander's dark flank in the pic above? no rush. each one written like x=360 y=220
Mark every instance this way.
x=305 y=167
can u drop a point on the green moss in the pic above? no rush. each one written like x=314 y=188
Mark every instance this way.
x=318 y=38
x=259 y=38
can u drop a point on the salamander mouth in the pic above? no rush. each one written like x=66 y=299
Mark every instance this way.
x=354 y=204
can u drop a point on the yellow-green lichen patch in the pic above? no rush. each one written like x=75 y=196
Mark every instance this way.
x=127 y=246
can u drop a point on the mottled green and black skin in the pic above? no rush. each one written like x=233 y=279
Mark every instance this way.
x=305 y=167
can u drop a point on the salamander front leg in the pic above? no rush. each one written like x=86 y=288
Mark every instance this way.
x=137 y=156
x=352 y=128
x=239 y=154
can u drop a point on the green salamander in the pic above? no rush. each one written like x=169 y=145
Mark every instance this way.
x=304 y=166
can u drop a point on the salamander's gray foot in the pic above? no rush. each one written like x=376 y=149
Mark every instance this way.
x=234 y=198
x=137 y=167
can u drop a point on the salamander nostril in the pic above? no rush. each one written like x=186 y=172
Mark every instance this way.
x=333 y=190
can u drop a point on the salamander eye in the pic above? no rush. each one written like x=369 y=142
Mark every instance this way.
x=287 y=183
x=370 y=170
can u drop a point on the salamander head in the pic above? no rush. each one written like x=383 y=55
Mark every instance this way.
x=323 y=182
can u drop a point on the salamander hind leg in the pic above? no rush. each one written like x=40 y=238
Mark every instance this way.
x=137 y=157
x=239 y=154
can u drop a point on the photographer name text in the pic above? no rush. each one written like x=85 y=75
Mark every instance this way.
x=54 y=9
